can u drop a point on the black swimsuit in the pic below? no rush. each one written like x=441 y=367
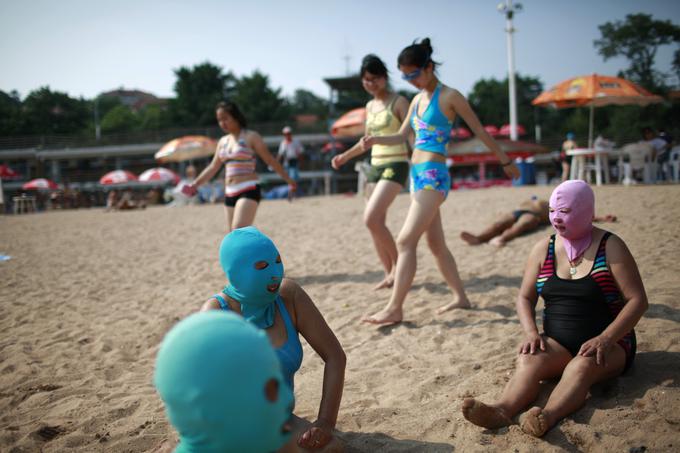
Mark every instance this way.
x=581 y=309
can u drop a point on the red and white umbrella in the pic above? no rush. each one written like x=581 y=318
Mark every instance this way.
x=159 y=174
x=186 y=148
x=117 y=177
x=350 y=124
x=460 y=133
x=40 y=183
x=8 y=173
x=505 y=130
x=492 y=130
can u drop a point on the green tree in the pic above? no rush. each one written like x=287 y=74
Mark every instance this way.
x=489 y=100
x=258 y=101
x=52 y=112
x=638 y=39
x=306 y=102
x=119 y=119
x=10 y=113
x=198 y=90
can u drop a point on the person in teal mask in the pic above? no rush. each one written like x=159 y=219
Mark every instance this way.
x=258 y=291
x=230 y=398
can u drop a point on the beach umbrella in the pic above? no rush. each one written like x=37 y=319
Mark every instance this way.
x=460 y=133
x=186 y=148
x=595 y=91
x=117 y=177
x=351 y=124
x=159 y=174
x=492 y=130
x=8 y=173
x=40 y=183
x=505 y=130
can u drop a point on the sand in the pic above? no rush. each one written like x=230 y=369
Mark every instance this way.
x=88 y=295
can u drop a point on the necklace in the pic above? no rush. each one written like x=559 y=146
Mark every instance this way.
x=574 y=264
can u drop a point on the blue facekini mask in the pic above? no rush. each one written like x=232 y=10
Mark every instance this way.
x=211 y=373
x=253 y=267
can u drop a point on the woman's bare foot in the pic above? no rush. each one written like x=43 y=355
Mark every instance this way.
x=385 y=317
x=534 y=422
x=497 y=242
x=480 y=414
x=470 y=238
x=387 y=282
x=459 y=303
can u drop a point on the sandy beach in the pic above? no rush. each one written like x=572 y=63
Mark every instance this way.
x=87 y=297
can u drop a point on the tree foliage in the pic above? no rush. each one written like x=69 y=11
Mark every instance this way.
x=258 y=101
x=51 y=112
x=198 y=90
x=638 y=39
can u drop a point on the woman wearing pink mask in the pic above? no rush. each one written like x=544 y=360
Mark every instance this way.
x=593 y=297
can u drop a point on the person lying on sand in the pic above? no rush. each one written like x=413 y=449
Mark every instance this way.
x=593 y=297
x=529 y=216
x=258 y=291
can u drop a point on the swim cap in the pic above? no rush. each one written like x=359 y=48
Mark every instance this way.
x=575 y=226
x=252 y=263
x=211 y=371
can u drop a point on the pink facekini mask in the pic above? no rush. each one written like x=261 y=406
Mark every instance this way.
x=575 y=226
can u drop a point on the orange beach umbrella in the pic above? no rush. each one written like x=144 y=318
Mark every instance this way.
x=351 y=124
x=595 y=90
x=186 y=148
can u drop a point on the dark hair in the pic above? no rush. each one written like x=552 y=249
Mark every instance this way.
x=373 y=65
x=233 y=110
x=417 y=54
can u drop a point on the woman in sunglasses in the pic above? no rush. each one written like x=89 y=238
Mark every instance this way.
x=430 y=117
x=389 y=164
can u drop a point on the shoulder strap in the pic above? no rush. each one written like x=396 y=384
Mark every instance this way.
x=223 y=303
x=290 y=328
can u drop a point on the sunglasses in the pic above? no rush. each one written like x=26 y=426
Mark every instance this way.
x=411 y=75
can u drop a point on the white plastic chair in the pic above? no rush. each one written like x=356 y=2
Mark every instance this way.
x=639 y=158
x=674 y=164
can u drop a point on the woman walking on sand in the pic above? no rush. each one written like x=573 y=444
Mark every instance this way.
x=430 y=117
x=389 y=164
x=237 y=151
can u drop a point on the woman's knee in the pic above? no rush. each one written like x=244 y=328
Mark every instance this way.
x=406 y=242
x=582 y=368
x=373 y=219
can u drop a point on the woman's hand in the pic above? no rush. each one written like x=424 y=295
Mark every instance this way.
x=598 y=346
x=367 y=142
x=338 y=161
x=318 y=435
x=531 y=344
x=511 y=170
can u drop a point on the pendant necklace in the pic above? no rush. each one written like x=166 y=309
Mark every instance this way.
x=574 y=264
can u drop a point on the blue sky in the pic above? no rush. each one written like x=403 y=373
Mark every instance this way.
x=84 y=47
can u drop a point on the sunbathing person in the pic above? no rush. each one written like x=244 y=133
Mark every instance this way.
x=529 y=216
x=593 y=297
x=258 y=291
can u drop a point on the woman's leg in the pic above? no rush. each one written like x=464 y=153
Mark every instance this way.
x=572 y=390
x=446 y=264
x=522 y=388
x=244 y=213
x=374 y=217
x=229 y=216
x=424 y=207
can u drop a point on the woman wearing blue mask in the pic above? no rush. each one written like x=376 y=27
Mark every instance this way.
x=430 y=117
x=259 y=292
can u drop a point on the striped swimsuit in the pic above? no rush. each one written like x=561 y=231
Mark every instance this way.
x=581 y=309
x=239 y=160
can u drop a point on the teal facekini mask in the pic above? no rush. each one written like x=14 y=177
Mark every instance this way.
x=253 y=267
x=211 y=372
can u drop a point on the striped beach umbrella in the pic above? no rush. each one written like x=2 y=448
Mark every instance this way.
x=186 y=148
x=159 y=174
x=117 y=177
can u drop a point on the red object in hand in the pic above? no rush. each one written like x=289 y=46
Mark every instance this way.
x=189 y=190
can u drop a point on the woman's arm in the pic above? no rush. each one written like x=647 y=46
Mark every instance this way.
x=311 y=324
x=342 y=158
x=256 y=142
x=461 y=106
x=625 y=272
x=209 y=171
x=527 y=298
